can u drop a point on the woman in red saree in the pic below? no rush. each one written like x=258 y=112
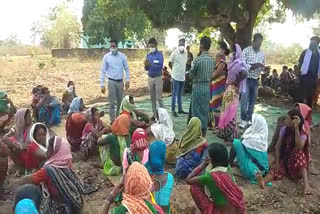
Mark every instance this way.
x=292 y=155
x=215 y=190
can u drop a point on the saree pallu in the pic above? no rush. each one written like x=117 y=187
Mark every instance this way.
x=50 y=116
x=217 y=89
x=186 y=164
x=231 y=191
x=108 y=151
x=227 y=122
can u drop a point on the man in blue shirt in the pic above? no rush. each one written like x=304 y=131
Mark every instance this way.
x=154 y=64
x=113 y=64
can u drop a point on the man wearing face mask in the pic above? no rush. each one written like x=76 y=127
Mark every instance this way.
x=113 y=64
x=309 y=65
x=154 y=65
x=177 y=64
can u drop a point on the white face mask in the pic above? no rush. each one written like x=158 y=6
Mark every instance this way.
x=71 y=88
x=114 y=51
x=181 y=48
x=152 y=50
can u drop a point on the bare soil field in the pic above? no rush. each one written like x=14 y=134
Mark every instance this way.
x=19 y=74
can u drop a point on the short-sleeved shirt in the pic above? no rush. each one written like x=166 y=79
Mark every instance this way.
x=283 y=130
x=252 y=57
x=216 y=194
x=179 y=61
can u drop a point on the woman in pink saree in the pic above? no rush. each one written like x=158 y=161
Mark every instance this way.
x=237 y=74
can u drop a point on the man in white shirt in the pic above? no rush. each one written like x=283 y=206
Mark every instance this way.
x=255 y=60
x=177 y=63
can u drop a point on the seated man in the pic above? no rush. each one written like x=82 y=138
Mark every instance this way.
x=275 y=81
x=7 y=109
x=68 y=95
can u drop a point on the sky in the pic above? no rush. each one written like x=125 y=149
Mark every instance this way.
x=16 y=19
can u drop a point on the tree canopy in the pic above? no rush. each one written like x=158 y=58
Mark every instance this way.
x=112 y=19
x=60 y=29
x=235 y=19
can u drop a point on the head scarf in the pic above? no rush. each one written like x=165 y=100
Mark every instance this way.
x=121 y=125
x=139 y=140
x=256 y=136
x=163 y=129
x=157 y=158
x=43 y=148
x=89 y=116
x=126 y=105
x=235 y=67
x=306 y=113
x=75 y=105
x=61 y=156
x=137 y=188
x=192 y=138
x=20 y=127
x=26 y=206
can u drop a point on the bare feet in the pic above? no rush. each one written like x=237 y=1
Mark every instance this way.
x=260 y=180
x=307 y=190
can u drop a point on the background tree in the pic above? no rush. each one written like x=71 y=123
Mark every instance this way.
x=235 y=19
x=60 y=29
x=113 y=19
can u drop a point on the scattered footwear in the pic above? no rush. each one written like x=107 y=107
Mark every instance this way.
x=175 y=114
x=182 y=112
x=243 y=124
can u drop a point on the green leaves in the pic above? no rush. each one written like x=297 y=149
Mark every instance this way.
x=112 y=19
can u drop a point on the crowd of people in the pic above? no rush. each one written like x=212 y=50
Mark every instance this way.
x=138 y=146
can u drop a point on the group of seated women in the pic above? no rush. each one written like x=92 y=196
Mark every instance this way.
x=137 y=147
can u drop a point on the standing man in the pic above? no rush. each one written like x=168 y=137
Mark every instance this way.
x=154 y=64
x=201 y=73
x=255 y=60
x=309 y=65
x=177 y=64
x=113 y=64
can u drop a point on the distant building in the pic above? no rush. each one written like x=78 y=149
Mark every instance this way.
x=127 y=43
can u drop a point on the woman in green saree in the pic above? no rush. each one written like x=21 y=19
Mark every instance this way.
x=111 y=147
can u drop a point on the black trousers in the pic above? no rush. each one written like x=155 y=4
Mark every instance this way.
x=308 y=87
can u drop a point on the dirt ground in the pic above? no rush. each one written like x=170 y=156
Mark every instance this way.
x=20 y=74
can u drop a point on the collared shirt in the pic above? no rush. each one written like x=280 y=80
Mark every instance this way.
x=113 y=66
x=179 y=61
x=156 y=64
x=252 y=57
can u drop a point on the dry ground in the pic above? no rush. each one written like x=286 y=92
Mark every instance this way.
x=19 y=74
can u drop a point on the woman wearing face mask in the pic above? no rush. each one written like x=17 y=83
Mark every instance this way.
x=68 y=95
x=218 y=85
x=237 y=73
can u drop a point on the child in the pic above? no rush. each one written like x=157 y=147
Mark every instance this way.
x=275 y=82
x=222 y=195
